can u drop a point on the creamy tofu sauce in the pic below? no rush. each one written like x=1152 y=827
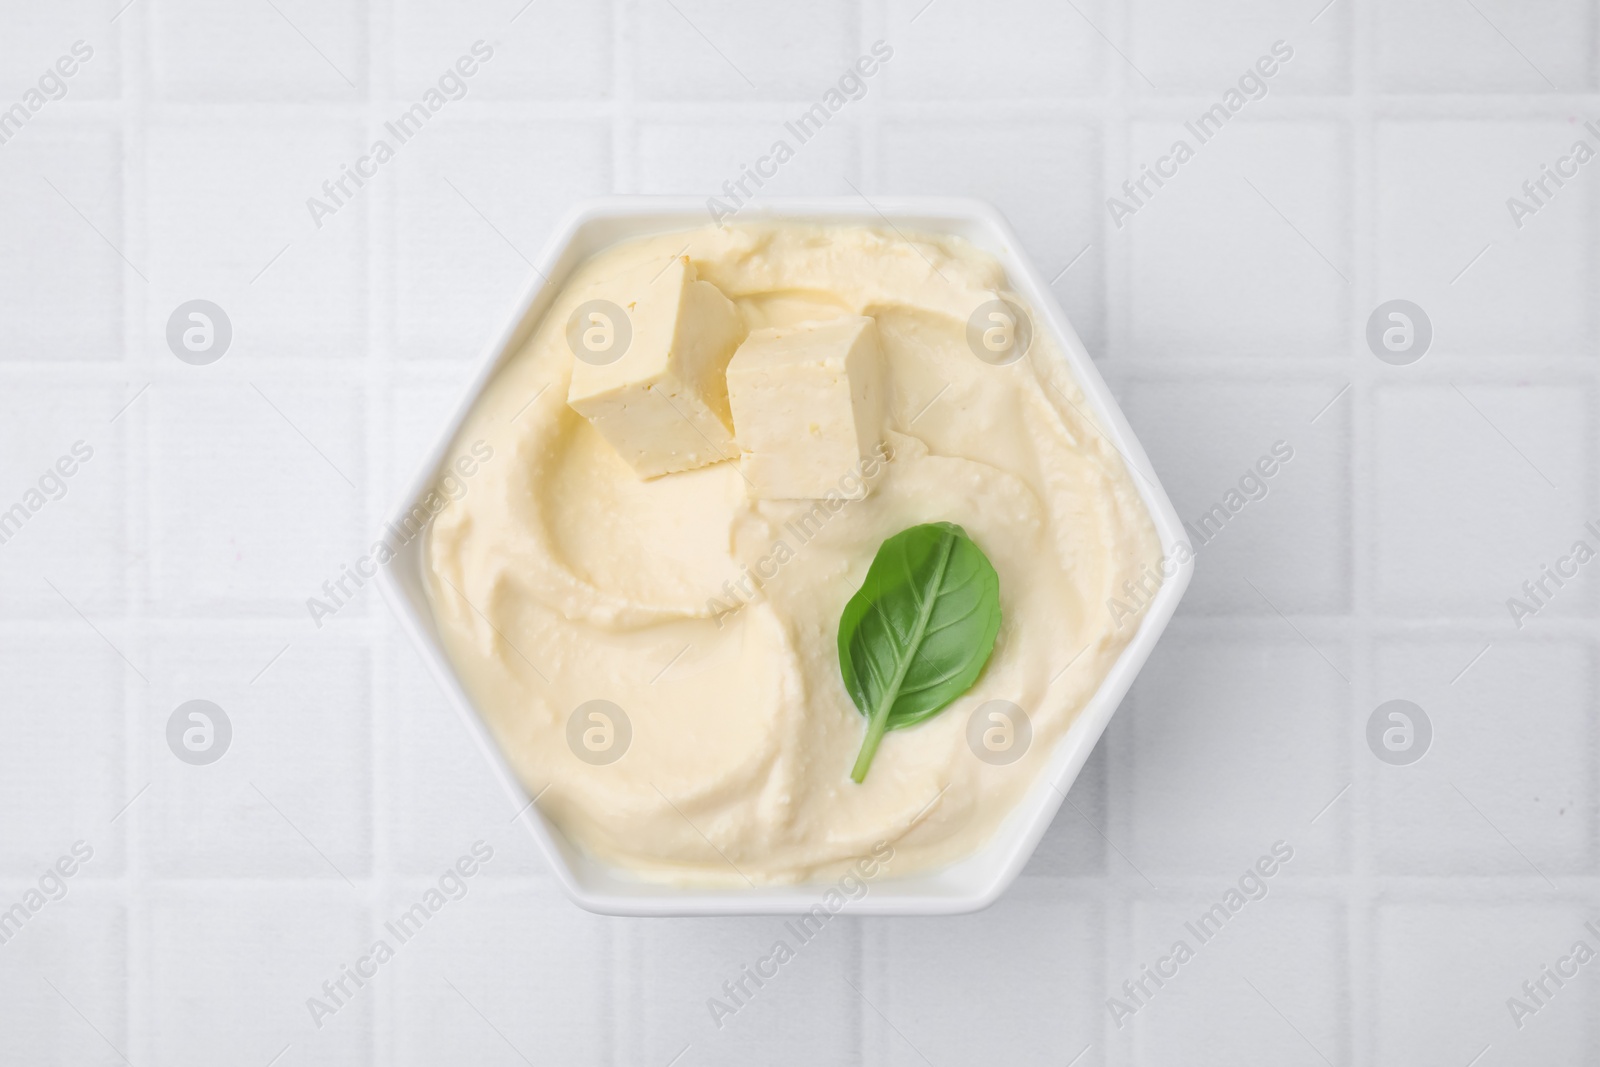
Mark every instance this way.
x=709 y=617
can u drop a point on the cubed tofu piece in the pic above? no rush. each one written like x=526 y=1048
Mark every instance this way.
x=663 y=404
x=808 y=405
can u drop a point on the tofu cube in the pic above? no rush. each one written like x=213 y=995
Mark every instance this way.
x=663 y=404
x=808 y=404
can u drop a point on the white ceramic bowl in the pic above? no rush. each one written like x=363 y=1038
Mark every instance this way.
x=967 y=885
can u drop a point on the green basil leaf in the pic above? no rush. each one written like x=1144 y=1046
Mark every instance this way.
x=919 y=630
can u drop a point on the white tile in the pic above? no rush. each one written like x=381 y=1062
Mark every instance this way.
x=61 y=770
x=1013 y=49
x=475 y=206
x=64 y=982
x=1292 y=952
x=1289 y=533
x=490 y=969
x=549 y=51
x=418 y=418
x=291 y=796
x=1478 y=486
x=1072 y=846
x=1207 y=47
x=285 y=50
x=1488 y=46
x=1443 y=972
x=722 y=49
x=297 y=448
x=229 y=223
x=62 y=178
x=1271 y=705
x=697 y=159
x=1507 y=784
x=1030 y=983
x=1447 y=240
x=1246 y=250
x=271 y=949
x=675 y=967
x=1045 y=178
x=70 y=530
x=34 y=47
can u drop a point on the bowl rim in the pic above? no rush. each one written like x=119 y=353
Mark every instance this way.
x=663 y=214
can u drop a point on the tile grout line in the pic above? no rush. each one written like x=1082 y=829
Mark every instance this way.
x=1359 y=953
x=377 y=404
x=134 y=428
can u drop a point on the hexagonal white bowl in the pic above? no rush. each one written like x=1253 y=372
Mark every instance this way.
x=966 y=885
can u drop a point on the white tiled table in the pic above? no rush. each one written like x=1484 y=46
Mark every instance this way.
x=1229 y=314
